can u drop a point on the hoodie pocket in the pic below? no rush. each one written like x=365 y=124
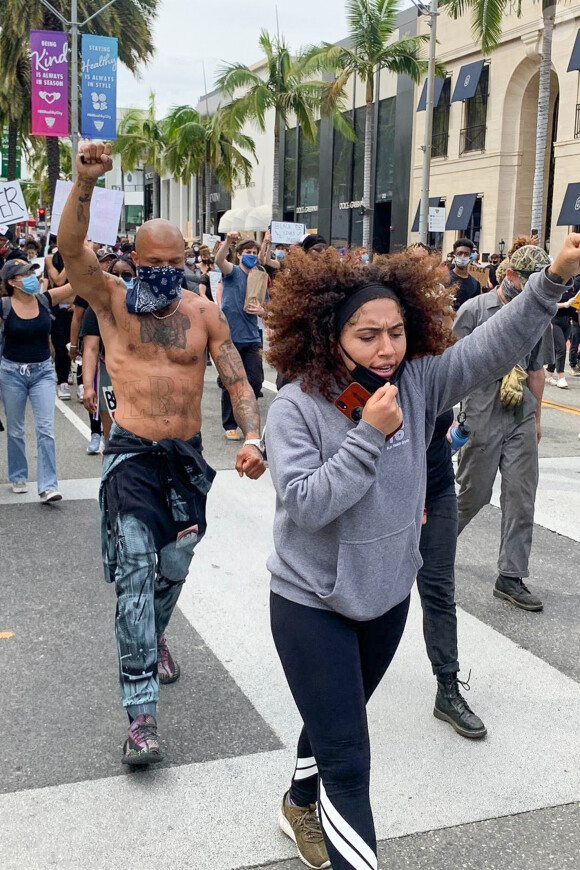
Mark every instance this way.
x=374 y=576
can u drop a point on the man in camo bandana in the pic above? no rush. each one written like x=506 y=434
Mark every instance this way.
x=504 y=418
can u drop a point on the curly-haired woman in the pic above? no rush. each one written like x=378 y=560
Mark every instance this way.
x=350 y=498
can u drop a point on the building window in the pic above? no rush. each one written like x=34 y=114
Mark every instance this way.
x=440 y=135
x=341 y=189
x=356 y=220
x=472 y=137
x=291 y=141
x=308 y=178
x=385 y=150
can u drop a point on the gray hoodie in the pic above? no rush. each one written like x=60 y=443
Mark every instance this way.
x=348 y=505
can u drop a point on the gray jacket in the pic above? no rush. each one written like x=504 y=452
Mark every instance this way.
x=348 y=505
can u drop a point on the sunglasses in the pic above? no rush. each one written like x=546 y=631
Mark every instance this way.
x=126 y=276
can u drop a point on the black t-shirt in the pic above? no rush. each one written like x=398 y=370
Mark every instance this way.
x=465 y=288
x=27 y=341
x=80 y=302
x=440 y=473
x=563 y=315
x=89 y=324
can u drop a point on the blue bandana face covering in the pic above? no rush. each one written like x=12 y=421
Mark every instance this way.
x=155 y=288
x=249 y=260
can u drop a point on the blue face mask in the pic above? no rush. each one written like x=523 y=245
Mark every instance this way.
x=130 y=283
x=364 y=258
x=249 y=260
x=280 y=255
x=155 y=288
x=30 y=284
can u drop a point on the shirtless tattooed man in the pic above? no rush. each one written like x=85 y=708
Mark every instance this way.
x=155 y=480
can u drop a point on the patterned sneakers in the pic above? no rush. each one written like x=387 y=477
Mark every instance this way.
x=142 y=744
x=168 y=670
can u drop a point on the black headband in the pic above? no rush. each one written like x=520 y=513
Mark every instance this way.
x=352 y=303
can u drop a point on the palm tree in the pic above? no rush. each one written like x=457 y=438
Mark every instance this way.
x=487 y=17
x=210 y=143
x=141 y=139
x=37 y=160
x=371 y=24
x=286 y=90
x=131 y=18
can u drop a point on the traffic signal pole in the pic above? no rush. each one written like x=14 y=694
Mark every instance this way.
x=426 y=147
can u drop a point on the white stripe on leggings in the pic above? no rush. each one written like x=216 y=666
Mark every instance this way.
x=305 y=767
x=343 y=837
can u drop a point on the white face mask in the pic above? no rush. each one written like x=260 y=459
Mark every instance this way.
x=462 y=262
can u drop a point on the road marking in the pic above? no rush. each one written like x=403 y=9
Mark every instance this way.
x=72 y=418
x=270 y=386
x=4 y=635
x=556 y=407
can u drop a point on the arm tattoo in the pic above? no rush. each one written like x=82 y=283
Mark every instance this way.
x=92 y=269
x=167 y=334
x=229 y=364
x=246 y=412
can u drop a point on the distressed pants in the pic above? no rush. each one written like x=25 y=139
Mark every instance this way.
x=515 y=455
x=148 y=585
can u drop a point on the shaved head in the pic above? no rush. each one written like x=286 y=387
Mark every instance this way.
x=159 y=243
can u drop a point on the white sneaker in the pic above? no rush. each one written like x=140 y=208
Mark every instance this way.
x=50 y=495
x=63 y=392
x=553 y=381
x=232 y=435
x=80 y=393
x=562 y=383
x=94 y=444
x=70 y=378
x=21 y=487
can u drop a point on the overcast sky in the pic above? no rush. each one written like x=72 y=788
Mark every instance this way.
x=189 y=32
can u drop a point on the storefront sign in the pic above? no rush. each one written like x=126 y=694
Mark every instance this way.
x=349 y=205
x=436 y=220
x=12 y=206
x=286 y=233
x=306 y=209
x=99 y=87
x=49 y=84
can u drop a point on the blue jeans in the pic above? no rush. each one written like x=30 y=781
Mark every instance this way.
x=34 y=381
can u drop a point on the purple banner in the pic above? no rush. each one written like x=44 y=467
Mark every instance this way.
x=49 y=60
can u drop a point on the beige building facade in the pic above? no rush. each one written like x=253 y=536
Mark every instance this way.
x=485 y=145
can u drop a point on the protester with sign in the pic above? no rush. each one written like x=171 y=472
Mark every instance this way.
x=26 y=372
x=155 y=480
x=244 y=288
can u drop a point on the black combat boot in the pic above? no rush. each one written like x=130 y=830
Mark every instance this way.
x=451 y=706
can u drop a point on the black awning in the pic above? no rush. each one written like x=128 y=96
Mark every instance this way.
x=423 y=99
x=570 y=211
x=460 y=211
x=433 y=203
x=575 y=57
x=467 y=81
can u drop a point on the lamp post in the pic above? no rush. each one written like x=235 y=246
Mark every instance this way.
x=73 y=27
x=426 y=147
x=501 y=247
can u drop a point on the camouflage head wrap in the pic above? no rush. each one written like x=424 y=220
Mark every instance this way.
x=527 y=260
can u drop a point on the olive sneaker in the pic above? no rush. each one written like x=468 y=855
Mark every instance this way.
x=514 y=590
x=302 y=826
x=168 y=670
x=142 y=744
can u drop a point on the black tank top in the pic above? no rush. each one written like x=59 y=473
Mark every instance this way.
x=26 y=341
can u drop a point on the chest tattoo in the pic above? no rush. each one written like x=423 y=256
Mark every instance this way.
x=167 y=333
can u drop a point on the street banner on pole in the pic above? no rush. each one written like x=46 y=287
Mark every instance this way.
x=99 y=87
x=49 y=61
x=13 y=209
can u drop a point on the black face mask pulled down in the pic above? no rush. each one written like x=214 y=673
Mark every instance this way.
x=369 y=379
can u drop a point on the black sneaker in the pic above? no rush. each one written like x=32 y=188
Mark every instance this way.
x=451 y=707
x=142 y=744
x=514 y=590
x=168 y=670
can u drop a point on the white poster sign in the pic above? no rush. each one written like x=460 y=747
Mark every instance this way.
x=210 y=240
x=105 y=217
x=436 y=220
x=286 y=233
x=12 y=206
x=214 y=278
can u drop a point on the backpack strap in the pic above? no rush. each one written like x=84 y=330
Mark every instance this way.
x=43 y=300
x=6 y=306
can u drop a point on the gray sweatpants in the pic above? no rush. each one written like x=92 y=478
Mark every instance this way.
x=515 y=454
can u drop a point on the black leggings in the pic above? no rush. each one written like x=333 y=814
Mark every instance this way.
x=333 y=665
x=561 y=332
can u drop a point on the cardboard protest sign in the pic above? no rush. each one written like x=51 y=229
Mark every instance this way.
x=13 y=209
x=286 y=233
x=106 y=208
x=210 y=240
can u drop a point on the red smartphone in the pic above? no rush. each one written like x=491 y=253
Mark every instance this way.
x=352 y=401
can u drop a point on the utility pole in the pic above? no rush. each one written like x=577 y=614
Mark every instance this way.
x=73 y=28
x=426 y=148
